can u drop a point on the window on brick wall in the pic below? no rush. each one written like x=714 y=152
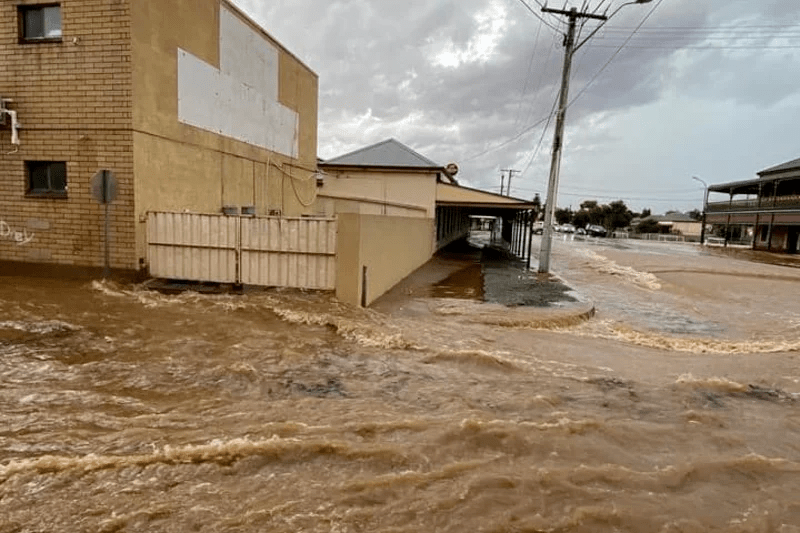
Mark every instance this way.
x=47 y=178
x=40 y=22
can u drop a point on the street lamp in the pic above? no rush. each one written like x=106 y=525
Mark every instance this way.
x=555 y=163
x=705 y=203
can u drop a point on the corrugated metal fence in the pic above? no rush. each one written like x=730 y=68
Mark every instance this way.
x=269 y=251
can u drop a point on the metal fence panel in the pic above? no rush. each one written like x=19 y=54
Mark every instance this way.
x=268 y=251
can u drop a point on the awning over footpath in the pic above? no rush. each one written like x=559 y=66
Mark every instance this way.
x=448 y=195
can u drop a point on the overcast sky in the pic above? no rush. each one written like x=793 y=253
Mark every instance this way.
x=707 y=88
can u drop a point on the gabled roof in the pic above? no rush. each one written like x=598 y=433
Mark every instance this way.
x=386 y=154
x=791 y=165
x=671 y=217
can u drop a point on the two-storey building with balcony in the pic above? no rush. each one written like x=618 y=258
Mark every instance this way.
x=768 y=206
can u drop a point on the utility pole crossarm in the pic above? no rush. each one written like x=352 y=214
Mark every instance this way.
x=574 y=13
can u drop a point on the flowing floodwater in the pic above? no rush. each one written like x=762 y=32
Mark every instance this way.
x=675 y=407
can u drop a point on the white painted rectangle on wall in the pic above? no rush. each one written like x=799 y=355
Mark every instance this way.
x=239 y=99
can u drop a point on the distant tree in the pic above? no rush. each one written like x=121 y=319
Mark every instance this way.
x=563 y=215
x=581 y=219
x=611 y=216
x=695 y=214
x=648 y=226
x=645 y=213
x=616 y=215
x=537 y=202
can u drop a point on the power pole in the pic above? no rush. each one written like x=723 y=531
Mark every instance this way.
x=510 y=174
x=555 y=163
x=502 y=181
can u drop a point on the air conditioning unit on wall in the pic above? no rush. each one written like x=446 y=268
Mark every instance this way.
x=9 y=117
x=3 y=114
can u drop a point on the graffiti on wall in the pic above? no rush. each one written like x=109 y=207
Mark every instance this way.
x=8 y=233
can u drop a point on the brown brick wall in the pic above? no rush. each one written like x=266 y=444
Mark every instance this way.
x=74 y=103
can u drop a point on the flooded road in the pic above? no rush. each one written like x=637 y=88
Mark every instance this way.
x=675 y=408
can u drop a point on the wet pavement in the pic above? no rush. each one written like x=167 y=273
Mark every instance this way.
x=509 y=282
x=489 y=274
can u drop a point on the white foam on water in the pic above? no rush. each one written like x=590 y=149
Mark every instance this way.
x=713 y=383
x=44 y=327
x=645 y=280
x=220 y=451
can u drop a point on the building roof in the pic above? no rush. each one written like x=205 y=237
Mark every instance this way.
x=739 y=187
x=783 y=167
x=668 y=218
x=676 y=217
x=386 y=154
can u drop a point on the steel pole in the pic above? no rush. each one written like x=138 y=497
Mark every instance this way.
x=107 y=226
x=555 y=163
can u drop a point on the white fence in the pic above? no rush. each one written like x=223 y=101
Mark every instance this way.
x=269 y=251
x=661 y=237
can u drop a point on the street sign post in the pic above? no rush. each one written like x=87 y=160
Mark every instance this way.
x=104 y=190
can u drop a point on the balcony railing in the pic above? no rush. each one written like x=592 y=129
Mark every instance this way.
x=766 y=204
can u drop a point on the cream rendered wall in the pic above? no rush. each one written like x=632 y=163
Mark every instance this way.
x=189 y=158
x=379 y=192
x=390 y=248
x=689 y=229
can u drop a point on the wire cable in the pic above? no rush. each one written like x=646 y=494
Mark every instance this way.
x=537 y=15
x=541 y=138
x=528 y=74
x=508 y=141
x=615 y=54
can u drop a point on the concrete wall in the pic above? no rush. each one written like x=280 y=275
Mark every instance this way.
x=222 y=115
x=390 y=247
x=73 y=98
x=376 y=192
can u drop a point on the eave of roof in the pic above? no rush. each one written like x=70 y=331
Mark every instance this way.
x=390 y=168
x=458 y=195
x=735 y=185
x=783 y=167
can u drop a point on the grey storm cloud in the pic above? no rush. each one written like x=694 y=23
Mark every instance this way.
x=473 y=81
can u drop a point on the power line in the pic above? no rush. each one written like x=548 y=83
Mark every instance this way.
x=743 y=27
x=616 y=196
x=528 y=74
x=615 y=54
x=508 y=141
x=541 y=138
x=626 y=197
x=537 y=15
x=590 y=190
x=653 y=47
x=542 y=74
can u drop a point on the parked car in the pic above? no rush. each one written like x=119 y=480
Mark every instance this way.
x=580 y=231
x=594 y=230
x=568 y=228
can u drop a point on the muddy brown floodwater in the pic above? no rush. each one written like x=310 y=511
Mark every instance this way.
x=676 y=408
